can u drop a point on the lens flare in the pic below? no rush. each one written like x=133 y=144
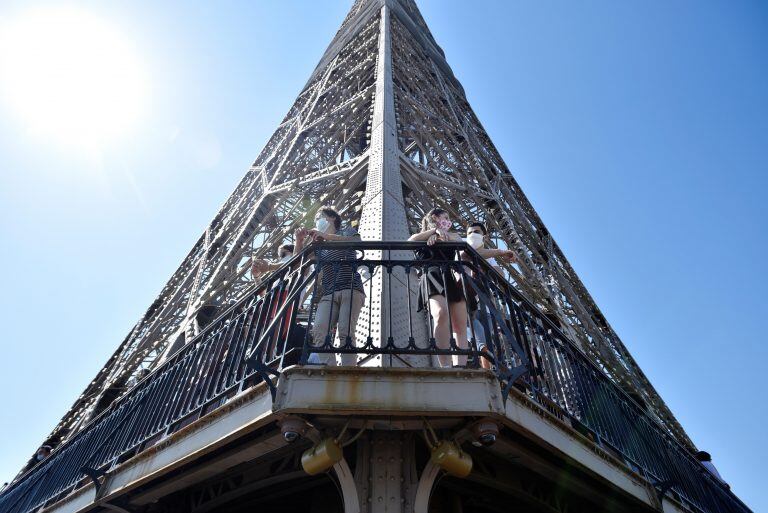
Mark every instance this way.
x=70 y=76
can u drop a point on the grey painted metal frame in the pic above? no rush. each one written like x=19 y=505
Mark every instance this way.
x=382 y=130
x=249 y=346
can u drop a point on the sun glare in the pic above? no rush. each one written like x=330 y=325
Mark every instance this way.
x=70 y=76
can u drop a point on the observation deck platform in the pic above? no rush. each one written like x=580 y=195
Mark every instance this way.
x=539 y=459
x=238 y=419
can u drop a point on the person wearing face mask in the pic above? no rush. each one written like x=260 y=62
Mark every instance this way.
x=342 y=295
x=260 y=266
x=43 y=452
x=476 y=237
x=439 y=289
x=40 y=455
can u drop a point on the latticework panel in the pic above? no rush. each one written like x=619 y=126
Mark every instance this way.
x=317 y=155
x=320 y=153
x=449 y=161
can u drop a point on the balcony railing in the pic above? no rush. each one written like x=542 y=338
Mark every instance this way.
x=272 y=327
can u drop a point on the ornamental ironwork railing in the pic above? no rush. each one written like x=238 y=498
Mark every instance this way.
x=275 y=325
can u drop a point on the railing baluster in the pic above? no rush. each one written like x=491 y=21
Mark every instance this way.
x=213 y=363
x=411 y=340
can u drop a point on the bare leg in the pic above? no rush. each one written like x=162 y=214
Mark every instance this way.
x=439 y=309
x=485 y=363
x=459 y=319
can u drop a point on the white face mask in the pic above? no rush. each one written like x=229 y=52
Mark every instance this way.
x=322 y=224
x=475 y=240
x=285 y=258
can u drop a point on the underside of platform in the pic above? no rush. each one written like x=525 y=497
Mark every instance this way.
x=237 y=457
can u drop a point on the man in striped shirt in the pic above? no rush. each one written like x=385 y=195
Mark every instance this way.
x=341 y=288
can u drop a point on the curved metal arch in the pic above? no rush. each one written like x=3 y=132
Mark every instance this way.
x=349 y=491
x=425 y=486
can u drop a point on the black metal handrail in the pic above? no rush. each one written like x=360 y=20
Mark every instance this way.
x=411 y=270
x=563 y=378
x=272 y=326
x=195 y=380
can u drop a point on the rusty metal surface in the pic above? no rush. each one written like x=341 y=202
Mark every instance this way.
x=389 y=391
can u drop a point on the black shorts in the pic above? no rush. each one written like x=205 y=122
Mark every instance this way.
x=439 y=282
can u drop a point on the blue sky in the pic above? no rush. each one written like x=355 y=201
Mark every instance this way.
x=637 y=130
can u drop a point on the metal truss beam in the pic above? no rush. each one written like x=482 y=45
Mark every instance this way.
x=384 y=131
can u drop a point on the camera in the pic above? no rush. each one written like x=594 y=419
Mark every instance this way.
x=485 y=433
x=292 y=428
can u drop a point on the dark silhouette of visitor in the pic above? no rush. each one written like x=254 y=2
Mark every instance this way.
x=706 y=461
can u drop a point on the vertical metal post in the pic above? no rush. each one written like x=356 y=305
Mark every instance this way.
x=383 y=217
x=387 y=479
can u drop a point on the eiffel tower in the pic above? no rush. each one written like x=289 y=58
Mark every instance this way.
x=200 y=408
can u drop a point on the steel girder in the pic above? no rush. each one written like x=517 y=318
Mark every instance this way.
x=333 y=147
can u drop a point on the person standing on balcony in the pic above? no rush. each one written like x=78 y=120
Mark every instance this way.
x=294 y=331
x=439 y=288
x=706 y=461
x=476 y=237
x=43 y=452
x=342 y=293
x=260 y=266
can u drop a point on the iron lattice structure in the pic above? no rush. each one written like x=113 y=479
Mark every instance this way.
x=382 y=130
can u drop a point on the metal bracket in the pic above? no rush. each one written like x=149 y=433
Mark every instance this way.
x=662 y=487
x=94 y=475
x=510 y=377
x=265 y=373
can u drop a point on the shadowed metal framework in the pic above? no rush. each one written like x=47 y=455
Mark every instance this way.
x=383 y=131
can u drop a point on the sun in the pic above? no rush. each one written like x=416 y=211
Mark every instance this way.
x=70 y=77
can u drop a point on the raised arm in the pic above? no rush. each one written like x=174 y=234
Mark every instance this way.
x=506 y=254
x=422 y=236
x=260 y=266
x=449 y=236
x=301 y=235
